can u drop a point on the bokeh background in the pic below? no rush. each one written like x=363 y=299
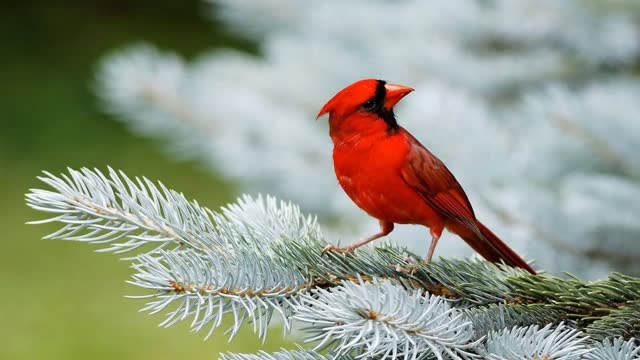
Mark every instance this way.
x=532 y=103
x=60 y=300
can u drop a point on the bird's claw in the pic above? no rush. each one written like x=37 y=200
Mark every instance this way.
x=409 y=260
x=334 y=248
x=410 y=268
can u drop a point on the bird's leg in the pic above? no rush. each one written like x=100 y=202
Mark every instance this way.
x=385 y=229
x=435 y=236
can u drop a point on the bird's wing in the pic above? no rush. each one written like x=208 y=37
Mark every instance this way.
x=429 y=177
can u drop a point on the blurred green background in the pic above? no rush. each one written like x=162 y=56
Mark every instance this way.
x=61 y=300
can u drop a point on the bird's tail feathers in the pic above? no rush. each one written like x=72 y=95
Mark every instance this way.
x=490 y=247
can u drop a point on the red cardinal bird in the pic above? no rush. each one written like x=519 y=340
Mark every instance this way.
x=394 y=178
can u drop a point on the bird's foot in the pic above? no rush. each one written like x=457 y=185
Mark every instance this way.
x=409 y=260
x=337 y=249
x=410 y=267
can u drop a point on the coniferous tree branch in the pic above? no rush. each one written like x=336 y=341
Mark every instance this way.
x=120 y=212
x=260 y=257
x=623 y=322
x=284 y=355
x=577 y=299
x=382 y=319
x=561 y=342
x=207 y=264
x=495 y=317
x=616 y=349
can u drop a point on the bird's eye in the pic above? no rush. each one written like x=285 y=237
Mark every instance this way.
x=369 y=105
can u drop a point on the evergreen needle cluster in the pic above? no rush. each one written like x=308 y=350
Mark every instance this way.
x=261 y=258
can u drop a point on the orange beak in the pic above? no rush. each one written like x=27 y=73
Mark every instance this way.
x=394 y=94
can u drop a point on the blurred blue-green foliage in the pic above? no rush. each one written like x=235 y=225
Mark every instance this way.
x=60 y=300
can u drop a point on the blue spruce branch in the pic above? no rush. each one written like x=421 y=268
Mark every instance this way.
x=260 y=257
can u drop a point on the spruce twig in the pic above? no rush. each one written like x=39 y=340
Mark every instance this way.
x=260 y=257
